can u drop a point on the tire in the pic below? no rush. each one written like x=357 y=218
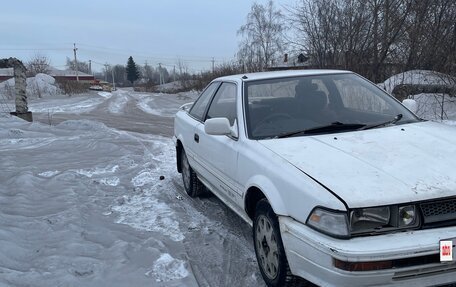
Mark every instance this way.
x=269 y=249
x=192 y=184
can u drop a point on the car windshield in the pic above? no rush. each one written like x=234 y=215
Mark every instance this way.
x=318 y=104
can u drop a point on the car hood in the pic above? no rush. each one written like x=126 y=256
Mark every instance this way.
x=397 y=164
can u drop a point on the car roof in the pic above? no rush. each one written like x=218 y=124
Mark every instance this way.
x=279 y=74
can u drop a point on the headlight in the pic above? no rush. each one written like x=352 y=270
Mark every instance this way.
x=369 y=218
x=382 y=219
x=333 y=223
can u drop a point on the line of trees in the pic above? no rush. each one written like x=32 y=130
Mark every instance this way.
x=373 y=37
x=138 y=74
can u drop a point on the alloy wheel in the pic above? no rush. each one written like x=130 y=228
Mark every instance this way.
x=267 y=247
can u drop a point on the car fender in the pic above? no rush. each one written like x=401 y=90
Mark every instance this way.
x=269 y=190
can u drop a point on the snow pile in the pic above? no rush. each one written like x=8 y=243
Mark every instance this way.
x=430 y=106
x=169 y=87
x=159 y=104
x=435 y=106
x=40 y=86
x=418 y=77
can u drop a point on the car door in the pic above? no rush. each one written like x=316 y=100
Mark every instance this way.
x=196 y=116
x=219 y=154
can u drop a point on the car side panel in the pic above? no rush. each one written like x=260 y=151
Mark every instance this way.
x=218 y=157
x=184 y=127
x=282 y=183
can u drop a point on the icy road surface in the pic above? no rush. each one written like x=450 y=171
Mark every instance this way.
x=81 y=203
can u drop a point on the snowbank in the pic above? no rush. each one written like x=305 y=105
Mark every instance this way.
x=430 y=106
x=418 y=77
x=40 y=86
x=435 y=106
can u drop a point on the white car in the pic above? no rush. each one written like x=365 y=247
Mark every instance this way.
x=343 y=185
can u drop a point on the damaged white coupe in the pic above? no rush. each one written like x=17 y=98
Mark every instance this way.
x=343 y=184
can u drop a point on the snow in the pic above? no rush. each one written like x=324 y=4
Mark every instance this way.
x=430 y=106
x=82 y=203
x=154 y=105
x=166 y=268
x=423 y=77
x=40 y=86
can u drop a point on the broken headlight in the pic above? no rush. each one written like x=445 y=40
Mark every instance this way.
x=382 y=219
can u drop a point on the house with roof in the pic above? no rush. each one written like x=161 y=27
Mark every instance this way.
x=293 y=62
x=70 y=75
x=6 y=74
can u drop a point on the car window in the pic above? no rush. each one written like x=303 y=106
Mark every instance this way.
x=279 y=106
x=272 y=90
x=199 y=107
x=360 y=97
x=224 y=103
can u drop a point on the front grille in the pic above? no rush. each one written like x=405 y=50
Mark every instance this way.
x=439 y=211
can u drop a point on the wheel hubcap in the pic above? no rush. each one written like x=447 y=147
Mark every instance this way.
x=185 y=171
x=267 y=248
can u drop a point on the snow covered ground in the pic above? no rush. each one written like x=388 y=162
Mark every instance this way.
x=82 y=203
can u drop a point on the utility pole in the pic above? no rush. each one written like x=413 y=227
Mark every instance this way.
x=106 y=72
x=76 y=62
x=90 y=67
x=162 y=81
x=174 y=72
x=213 y=64
x=113 y=82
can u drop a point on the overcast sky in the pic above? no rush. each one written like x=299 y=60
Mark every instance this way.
x=107 y=31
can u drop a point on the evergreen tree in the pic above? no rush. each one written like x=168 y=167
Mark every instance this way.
x=132 y=70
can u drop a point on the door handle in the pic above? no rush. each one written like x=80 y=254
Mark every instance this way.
x=196 y=138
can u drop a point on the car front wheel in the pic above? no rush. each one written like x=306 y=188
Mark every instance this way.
x=192 y=184
x=269 y=249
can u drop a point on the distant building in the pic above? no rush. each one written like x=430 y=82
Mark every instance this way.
x=293 y=62
x=70 y=75
x=6 y=74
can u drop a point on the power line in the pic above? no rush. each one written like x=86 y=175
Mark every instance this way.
x=33 y=49
x=143 y=53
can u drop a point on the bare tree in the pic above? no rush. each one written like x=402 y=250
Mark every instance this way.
x=182 y=70
x=263 y=36
x=377 y=38
x=147 y=72
x=430 y=39
x=352 y=34
x=39 y=63
x=120 y=74
x=81 y=66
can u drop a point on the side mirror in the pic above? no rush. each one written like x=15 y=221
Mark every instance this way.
x=410 y=104
x=217 y=127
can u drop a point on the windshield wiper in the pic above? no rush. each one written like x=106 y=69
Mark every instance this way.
x=333 y=127
x=387 y=123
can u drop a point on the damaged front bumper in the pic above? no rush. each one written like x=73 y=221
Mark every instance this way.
x=398 y=259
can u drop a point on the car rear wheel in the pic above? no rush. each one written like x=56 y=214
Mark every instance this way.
x=192 y=184
x=269 y=249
